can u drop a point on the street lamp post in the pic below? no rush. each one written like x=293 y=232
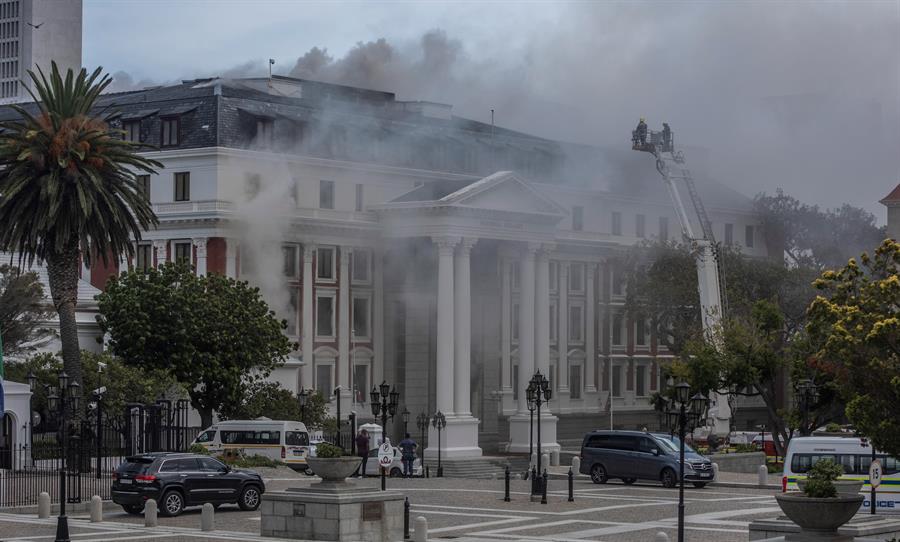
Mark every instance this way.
x=541 y=394
x=384 y=402
x=405 y=417
x=32 y=382
x=439 y=421
x=422 y=421
x=69 y=396
x=302 y=397
x=685 y=411
x=808 y=393
x=529 y=401
x=337 y=396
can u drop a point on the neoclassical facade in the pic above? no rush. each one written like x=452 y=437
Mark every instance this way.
x=444 y=256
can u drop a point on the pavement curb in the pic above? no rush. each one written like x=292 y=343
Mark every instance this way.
x=737 y=485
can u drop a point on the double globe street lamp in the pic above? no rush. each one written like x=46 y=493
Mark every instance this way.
x=439 y=422
x=422 y=421
x=384 y=402
x=807 y=394
x=68 y=401
x=684 y=413
x=537 y=393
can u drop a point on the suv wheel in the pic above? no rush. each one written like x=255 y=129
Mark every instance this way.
x=598 y=474
x=396 y=472
x=629 y=481
x=668 y=478
x=133 y=509
x=249 y=499
x=172 y=503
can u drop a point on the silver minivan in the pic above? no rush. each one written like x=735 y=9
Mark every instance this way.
x=635 y=455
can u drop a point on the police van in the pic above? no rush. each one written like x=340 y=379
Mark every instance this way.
x=856 y=458
x=285 y=441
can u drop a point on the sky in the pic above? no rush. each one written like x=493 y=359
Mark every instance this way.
x=801 y=96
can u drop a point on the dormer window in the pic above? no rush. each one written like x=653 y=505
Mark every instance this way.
x=265 y=131
x=170 y=131
x=132 y=129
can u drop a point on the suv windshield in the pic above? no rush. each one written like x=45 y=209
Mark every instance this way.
x=670 y=444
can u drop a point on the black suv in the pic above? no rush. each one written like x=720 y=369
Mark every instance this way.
x=177 y=480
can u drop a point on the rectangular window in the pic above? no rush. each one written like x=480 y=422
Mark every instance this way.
x=326 y=194
x=617 y=381
x=639 y=223
x=618 y=282
x=144 y=257
x=516 y=276
x=576 y=278
x=325 y=263
x=361 y=266
x=616 y=223
x=575 y=381
x=183 y=186
x=359 y=198
x=170 y=129
x=252 y=185
x=576 y=323
x=325 y=316
x=748 y=236
x=514 y=321
x=553 y=323
x=640 y=335
x=323 y=379
x=143 y=185
x=132 y=130
x=640 y=372
x=290 y=254
x=617 y=335
x=729 y=234
x=361 y=383
x=664 y=229
x=265 y=129
x=183 y=253
x=577 y=218
x=293 y=318
x=554 y=276
x=361 y=317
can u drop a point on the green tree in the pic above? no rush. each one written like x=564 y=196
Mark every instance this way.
x=69 y=189
x=213 y=334
x=269 y=399
x=854 y=326
x=22 y=309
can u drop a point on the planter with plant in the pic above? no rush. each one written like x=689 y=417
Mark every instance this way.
x=331 y=464
x=820 y=507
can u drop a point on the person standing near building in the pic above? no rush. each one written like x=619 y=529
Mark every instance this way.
x=408 y=450
x=362 y=448
x=642 y=131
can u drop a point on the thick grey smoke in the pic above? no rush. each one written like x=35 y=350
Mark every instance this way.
x=800 y=95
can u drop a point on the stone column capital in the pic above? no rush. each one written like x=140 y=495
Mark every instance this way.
x=161 y=245
x=546 y=249
x=466 y=244
x=308 y=249
x=563 y=268
x=590 y=270
x=200 y=245
x=445 y=243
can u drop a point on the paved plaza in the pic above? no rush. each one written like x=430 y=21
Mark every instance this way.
x=470 y=510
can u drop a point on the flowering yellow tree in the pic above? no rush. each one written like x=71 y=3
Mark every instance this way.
x=855 y=326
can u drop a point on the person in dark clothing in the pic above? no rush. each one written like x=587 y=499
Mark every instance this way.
x=362 y=449
x=408 y=450
x=642 y=131
x=667 y=137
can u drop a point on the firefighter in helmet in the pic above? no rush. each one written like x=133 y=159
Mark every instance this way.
x=667 y=137
x=642 y=131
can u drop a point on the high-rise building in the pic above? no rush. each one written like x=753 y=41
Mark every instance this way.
x=34 y=33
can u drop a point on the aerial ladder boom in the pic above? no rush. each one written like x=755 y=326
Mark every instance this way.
x=710 y=279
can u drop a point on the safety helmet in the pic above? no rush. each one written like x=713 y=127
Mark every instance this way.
x=642 y=119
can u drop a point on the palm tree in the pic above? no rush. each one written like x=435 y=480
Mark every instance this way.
x=68 y=189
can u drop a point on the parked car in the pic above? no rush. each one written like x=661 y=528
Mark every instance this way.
x=636 y=455
x=178 y=480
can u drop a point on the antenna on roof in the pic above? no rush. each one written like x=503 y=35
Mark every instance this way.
x=493 y=150
x=271 y=63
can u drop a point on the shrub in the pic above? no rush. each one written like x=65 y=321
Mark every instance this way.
x=251 y=461
x=744 y=448
x=820 y=478
x=833 y=427
x=326 y=450
x=198 y=449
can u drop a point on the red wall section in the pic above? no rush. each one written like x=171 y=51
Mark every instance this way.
x=215 y=255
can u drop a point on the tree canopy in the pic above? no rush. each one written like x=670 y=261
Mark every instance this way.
x=269 y=399
x=22 y=309
x=854 y=326
x=213 y=334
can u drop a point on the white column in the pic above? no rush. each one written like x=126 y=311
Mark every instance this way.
x=526 y=324
x=462 y=327
x=505 y=327
x=445 y=320
x=200 y=246
x=307 y=344
x=343 y=366
x=563 y=333
x=378 y=369
x=231 y=252
x=162 y=251
x=590 y=354
x=542 y=314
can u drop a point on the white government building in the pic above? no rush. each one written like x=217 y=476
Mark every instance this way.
x=445 y=256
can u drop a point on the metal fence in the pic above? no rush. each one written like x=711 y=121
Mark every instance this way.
x=94 y=448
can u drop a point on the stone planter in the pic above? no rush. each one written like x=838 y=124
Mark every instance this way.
x=844 y=487
x=334 y=469
x=819 y=515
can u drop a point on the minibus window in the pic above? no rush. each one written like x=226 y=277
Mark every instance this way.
x=801 y=463
x=296 y=438
x=206 y=436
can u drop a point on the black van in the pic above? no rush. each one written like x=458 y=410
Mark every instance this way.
x=635 y=455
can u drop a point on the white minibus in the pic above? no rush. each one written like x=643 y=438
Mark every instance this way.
x=849 y=452
x=285 y=441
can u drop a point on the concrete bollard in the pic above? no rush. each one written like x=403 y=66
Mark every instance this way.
x=554 y=458
x=576 y=464
x=421 y=529
x=44 y=505
x=96 y=509
x=661 y=537
x=150 y=519
x=545 y=462
x=715 y=472
x=207 y=517
x=763 y=475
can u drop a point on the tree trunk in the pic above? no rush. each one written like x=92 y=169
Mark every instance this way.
x=205 y=417
x=62 y=271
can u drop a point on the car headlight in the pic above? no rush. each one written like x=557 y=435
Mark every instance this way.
x=688 y=466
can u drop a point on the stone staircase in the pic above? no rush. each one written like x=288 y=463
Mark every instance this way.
x=484 y=467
